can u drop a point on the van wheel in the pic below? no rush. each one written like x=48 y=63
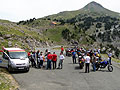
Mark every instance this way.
x=9 y=68
x=27 y=70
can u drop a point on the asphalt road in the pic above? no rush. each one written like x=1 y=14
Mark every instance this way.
x=68 y=78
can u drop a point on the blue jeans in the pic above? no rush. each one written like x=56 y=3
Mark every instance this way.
x=60 y=65
x=94 y=67
x=110 y=60
x=49 y=64
x=74 y=59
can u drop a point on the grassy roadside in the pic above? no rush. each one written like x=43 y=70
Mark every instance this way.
x=7 y=82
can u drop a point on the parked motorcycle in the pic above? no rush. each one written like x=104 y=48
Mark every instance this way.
x=104 y=64
x=81 y=62
x=69 y=52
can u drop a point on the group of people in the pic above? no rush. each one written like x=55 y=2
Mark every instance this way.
x=90 y=56
x=38 y=58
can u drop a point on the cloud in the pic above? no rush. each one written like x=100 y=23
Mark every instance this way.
x=17 y=10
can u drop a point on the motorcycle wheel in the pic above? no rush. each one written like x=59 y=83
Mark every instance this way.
x=81 y=65
x=110 y=68
x=97 y=66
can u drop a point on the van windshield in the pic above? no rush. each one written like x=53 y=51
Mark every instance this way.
x=17 y=55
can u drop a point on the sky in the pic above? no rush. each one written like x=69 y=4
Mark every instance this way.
x=18 y=10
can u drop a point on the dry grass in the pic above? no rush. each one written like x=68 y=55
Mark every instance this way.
x=113 y=59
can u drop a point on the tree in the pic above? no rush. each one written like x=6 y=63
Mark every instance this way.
x=66 y=34
x=98 y=25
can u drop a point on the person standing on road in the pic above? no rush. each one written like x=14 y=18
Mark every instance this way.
x=46 y=54
x=62 y=49
x=38 y=58
x=91 y=55
x=87 y=63
x=49 y=59
x=74 y=56
x=29 y=56
x=60 y=65
x=34 y=56
x=54 y=60
x=33 y=59
x=94 y=62
x=41 y=59
x=110 y=56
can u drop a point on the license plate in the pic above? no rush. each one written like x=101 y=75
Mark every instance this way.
x=21 y=68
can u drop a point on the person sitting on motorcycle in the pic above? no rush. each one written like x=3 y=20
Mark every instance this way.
x=98 y=57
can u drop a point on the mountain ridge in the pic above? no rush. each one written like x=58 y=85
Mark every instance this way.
x=90 y=7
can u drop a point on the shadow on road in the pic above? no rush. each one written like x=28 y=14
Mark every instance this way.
x=77 y=68
x=82 y=72
x=103 y=70
x=72 y=63
x=17 y=72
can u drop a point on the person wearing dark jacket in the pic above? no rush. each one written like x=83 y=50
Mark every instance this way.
x=38 y=58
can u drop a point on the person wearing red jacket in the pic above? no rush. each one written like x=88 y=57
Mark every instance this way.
x=49 y=59
x=54 y=60
x=62 y=49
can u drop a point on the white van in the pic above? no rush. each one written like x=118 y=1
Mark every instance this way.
x=14 y=59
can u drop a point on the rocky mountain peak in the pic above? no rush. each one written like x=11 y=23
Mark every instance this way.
x=94 y=6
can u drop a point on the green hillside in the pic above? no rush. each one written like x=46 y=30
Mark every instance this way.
x=12 y=35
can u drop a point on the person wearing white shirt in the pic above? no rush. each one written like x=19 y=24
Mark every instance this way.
x=60 y=65
x=87 y=63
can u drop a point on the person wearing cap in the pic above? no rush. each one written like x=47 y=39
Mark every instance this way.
x=49 y=59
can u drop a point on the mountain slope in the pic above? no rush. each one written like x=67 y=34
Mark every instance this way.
x=92 y=7
x=12 y=35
